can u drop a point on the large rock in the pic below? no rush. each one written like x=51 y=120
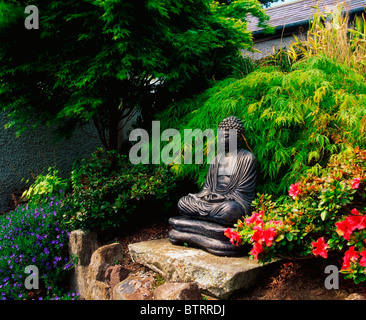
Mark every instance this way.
x=98 y=287
x=90 y=277
x=81 y=247
x=178 y=291
x=116 y=275
x=215 y=275
x=356 y=296
x=98 y=290
x=104 y=257
x=133 y=288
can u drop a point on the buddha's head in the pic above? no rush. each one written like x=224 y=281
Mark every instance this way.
x=232 y=123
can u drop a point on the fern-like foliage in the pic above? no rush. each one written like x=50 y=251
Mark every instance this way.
x=294 y=120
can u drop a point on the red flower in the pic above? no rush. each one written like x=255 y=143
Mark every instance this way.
x=344 y=229
x=294 y=190
x=256 y=250
x=363 y=259
x=350 y=255
x=348 y=225
x=261 y=235
x=357 y=222
x=356 y=183
x=268 y=236
x=320 y=248
x=233 y=236
x=255 y=218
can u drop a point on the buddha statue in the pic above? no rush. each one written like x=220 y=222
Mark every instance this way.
x=226 y=196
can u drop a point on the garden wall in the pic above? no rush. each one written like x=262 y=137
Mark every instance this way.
x=35 y=151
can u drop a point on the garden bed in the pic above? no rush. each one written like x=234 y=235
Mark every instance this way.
x=292 y=280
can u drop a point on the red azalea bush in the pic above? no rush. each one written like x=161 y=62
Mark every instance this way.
x=325 y=212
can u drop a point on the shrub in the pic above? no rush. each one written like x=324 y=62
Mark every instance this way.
x=46 y=186
x=322 y=213
x=107 y=190
x=293 y=120
x=33 y=235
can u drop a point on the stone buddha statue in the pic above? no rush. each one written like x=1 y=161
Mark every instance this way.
x=226 y=196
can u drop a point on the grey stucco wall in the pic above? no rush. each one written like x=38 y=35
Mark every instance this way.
x=34 y=152
x=266 y=47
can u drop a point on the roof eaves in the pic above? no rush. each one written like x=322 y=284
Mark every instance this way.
x=293 y=27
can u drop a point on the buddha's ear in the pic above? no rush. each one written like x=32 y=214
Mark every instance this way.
x=246 y=142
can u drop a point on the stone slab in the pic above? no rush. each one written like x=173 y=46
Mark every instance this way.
x=215 y=275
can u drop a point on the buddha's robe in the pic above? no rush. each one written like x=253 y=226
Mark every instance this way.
x=224 y=199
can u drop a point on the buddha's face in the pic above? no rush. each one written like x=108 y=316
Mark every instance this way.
x=229 y=140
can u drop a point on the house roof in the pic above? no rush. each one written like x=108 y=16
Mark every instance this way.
x=298 y=13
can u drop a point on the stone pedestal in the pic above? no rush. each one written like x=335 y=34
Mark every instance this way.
x=206 y=235
x=216 y=276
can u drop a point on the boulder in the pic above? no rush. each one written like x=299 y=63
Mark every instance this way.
x=178 y=291
x=118 y=274
x=81 y=247
x=108 y=272
x=98 y=290
x=215 y=275
x=97 y=287
x=133 y=288
x=356 y=296
x=104 y=257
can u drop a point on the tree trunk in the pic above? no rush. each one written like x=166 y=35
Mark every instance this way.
x=114 y=119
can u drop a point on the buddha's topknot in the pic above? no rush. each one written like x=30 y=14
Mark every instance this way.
x=232 y=123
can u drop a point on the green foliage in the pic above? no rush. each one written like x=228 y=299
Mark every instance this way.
x=98 y=60
x=328 y=205
x=108 y=191
x=294 y=120
x=46 y=186
x=34 y=235
x=8 y=14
